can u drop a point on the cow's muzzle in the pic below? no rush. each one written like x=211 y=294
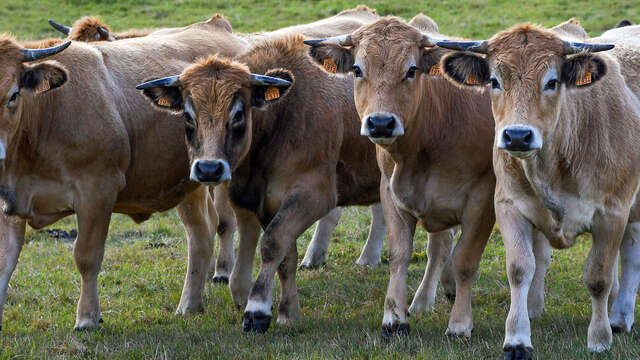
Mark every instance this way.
x=520 y=140
x=210 y=172
x=382 y=128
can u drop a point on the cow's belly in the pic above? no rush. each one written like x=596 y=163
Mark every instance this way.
x=46 y=205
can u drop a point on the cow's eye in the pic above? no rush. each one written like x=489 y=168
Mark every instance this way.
x=188 y=120
x=13 y=98
x=411 y=73
x=357 y=72
x=238 y=119
x=551 y=85
x=495 y=84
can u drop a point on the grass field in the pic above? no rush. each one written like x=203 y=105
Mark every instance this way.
x=140 y=281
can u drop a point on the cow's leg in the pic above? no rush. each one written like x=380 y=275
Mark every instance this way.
x=225 y=230
x=622 y=310
x=401 y=227
x=289 y=310
x=241 y=279
x=615 y=285
x=477 y=223
x=93 y=225
x=372 y=251
x=317 y=249
x=11 y=240
x=438 y=250
x=516 y=236
x=200 y=223
x=448 y=279
x=542 y=253
x=298 y=211
x=607 y=233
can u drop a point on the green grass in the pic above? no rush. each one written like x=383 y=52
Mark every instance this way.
x=342 y=304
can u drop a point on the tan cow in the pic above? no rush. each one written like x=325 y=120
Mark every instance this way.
x=434 y=149
x=75 y=139
x=290 y=152
x=91 y=28
x=567 y=161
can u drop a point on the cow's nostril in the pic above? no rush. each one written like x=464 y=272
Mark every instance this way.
x=391 y=125
x=528 y=137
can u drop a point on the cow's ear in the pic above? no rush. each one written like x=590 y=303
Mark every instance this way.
x=429 y=62
x=465 y=68
x=165 y=93
x=582 y=70
x=43 y=76
x=270 y=87
x=332 y=57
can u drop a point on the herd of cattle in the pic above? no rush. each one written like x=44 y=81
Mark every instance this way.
x=535 y=128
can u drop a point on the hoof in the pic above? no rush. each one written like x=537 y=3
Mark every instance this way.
x=310 y=266
x=519 y=352
x=220 y=280
x=617 y=329
x=390 y=332
x=257 y=322
x=101 y=321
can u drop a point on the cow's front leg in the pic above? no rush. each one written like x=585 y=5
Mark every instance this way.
x=623 y=307
x=542 y=253
x=93 y=225
x=298 y=211
x=11 y=241
x=516 y=235
x=372 y=250
x=598 y=276
x=438 y=250
x=200 y=221
x=223 y=264
x=317 y=250
x=242 y=274
x=401 y=227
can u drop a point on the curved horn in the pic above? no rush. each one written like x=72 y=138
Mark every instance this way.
x=104 y=33
x=63 y=29
x=169 y=81
x=36 y=54
x=428 y=41
x=569 y=47
x=342 y=40
x=268 y=80
x=475 y=46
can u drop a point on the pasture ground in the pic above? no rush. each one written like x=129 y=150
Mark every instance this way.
x=144 y=265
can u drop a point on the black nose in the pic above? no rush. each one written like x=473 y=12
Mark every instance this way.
x=208 y=170
x=380 y=125
x=517 y=139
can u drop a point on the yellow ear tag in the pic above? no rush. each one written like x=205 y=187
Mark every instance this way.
x=330 y=66
x=471 y=80
x=586 y=79
x=44 y=86
x=272 y=93
x=163 y=101
x=435 y=70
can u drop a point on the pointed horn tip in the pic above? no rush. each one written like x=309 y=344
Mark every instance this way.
x=313 y=42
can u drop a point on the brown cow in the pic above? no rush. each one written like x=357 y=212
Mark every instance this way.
x=566 y=158
x=290 y=152
x=91 y=28
x=76 y=136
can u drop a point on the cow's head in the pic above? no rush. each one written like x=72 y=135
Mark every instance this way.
x=21 y=80
x=87 y=29
x=528 y=71
x=386 y=58
x=216 y=98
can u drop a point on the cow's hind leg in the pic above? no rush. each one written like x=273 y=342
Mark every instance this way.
x=11 y=241
x=621 y=318
x=195 y=212
x=317 y=250
x=289 y=309
x=372 y=250
x=226 y=229
x=438 y=250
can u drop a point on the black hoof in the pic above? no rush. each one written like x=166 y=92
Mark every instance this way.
x=101 y=321
x=390 y=332
x=451 y=297
x=310 y=267
x=220 y=280
x=519 y=352
x=255 y=322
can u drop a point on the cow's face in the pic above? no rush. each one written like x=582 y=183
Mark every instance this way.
x=386 y=58
x=216 y=98
x=20 y=81
x=528 y=71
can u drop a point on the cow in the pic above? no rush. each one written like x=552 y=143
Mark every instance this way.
x=289 y=152
x=566 y=159
x=93 y=29
x=417 y=120
x=75 y=139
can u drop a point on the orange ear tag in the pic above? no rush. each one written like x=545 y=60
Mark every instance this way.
x=330 y=66
x=435 y=70
x=43 y=87
x=471 y=80
x=272 y=93
x=586 y=79
x=163 y=101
